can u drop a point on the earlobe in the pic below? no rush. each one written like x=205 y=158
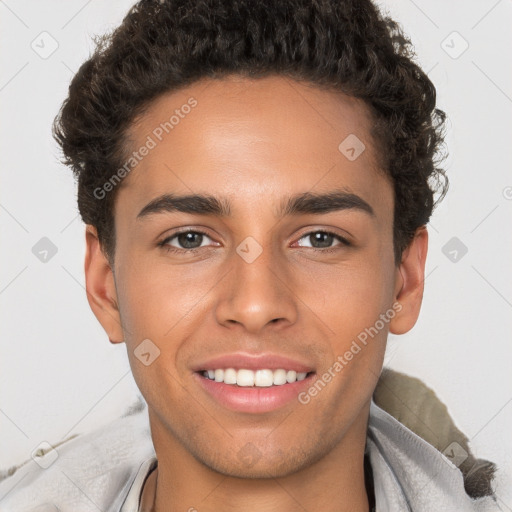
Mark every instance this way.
x=100 y=287
x=410 y=282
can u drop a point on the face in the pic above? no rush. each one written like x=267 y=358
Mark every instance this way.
x=261 y=280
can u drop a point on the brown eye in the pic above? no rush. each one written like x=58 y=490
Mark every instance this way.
x=323 y=240
x=185 y=240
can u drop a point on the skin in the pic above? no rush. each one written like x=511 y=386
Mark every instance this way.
x=255 y=142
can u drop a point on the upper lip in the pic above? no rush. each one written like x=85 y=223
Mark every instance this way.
x=249 y=361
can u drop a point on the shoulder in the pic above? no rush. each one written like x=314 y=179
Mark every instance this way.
x=97 y=468
x=414 y=437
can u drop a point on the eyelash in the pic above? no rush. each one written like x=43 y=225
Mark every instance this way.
x=169 y=248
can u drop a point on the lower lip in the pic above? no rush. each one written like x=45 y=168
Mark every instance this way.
x=254 y=399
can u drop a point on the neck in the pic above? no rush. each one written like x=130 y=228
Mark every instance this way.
x=335 y=483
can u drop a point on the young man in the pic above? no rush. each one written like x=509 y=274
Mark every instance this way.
x=256 y=178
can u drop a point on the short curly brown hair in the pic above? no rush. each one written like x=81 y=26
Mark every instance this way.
x=343 y=45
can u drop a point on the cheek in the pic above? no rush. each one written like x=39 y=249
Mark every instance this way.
x=154 y=296
x=351 y=297
x=358 y=308
x=158 y=300
x=155 y=304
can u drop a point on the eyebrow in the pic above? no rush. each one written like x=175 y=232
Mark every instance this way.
x=305 y=203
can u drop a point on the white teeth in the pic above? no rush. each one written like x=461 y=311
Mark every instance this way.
x=279 y=377
x=291 y=376
x=230 y=376
x=249 y=378
x=245 y=378
x=264 y=378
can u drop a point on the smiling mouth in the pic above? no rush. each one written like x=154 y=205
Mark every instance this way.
x=247 y=378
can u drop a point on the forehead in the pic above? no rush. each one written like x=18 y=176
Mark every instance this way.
x=254 y=138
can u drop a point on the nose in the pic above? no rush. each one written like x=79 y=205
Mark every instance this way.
x=256 y=293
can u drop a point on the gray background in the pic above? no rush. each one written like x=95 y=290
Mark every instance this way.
x=59 y=374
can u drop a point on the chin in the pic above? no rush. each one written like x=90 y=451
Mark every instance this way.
x=250 y=463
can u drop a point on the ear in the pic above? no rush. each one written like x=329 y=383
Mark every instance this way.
x=100 y=287
x=410 y=278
